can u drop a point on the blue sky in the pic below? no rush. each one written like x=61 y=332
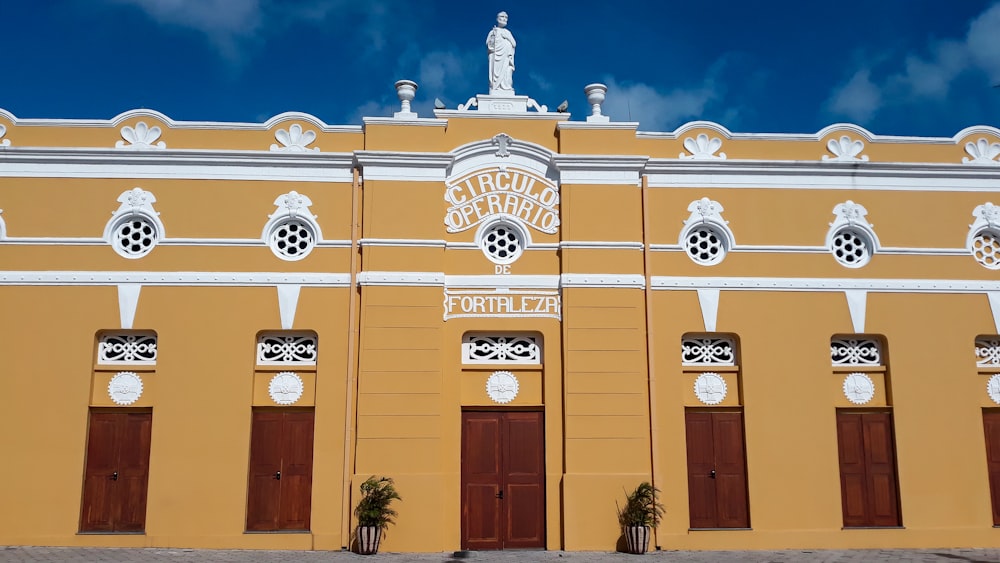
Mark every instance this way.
x=896 y=67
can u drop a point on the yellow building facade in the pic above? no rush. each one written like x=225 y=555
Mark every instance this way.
x=215 y=331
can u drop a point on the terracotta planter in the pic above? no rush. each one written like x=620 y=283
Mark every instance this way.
x=637 y=539
x=368 y=539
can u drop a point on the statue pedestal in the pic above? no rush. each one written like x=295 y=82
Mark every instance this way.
x=499 y=104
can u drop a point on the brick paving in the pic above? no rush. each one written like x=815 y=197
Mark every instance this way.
x=130 y=555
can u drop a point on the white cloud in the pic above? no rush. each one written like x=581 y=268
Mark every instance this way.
x=859 y=99
x=929 y=77
x=655 y=111
x=224 y=22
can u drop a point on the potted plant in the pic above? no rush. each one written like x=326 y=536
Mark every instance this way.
x=642 y=512
x=373 y=512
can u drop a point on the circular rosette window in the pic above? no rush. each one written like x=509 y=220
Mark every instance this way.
x=710 y=388
x=851 y=248
x=134 y=236
x=503 y=242
x=285 y=388
x=502 y=387
x=705 y=245
x=985 y=249
x=292 y=239
x=125 y=388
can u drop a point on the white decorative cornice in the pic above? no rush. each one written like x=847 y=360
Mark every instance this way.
x=845 y=150
x=3 y=131
x=982 y=152
x=294 y=139
x=41 y=162
x=203 y=125
x=599 y=126
x=403 y=166
x=599 y=169
x=527 y=116
x=141 y=137
x=415 y=122
x=702 y=148
x=223 y=279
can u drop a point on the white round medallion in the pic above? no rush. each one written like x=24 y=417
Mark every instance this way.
x=993 y=388
x=858 y=388
x=710 y=388
x=502 y=387
x=125 y=388
x=285 y=388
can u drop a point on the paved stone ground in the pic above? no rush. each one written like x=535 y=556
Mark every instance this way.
x=126 y=555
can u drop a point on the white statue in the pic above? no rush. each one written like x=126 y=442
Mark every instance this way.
x=500 y=44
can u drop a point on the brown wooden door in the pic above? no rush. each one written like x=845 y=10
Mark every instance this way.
x=117 y=472
x=717 y=479
x=991 y=424
x=279 y=494
x=503 y=480
x=867 y=469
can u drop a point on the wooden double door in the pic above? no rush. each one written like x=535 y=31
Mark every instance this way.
x=503 y=480
x=991 y=426
x=717 y=476
x=116 y=475
x=867 y=454
x=279 y=496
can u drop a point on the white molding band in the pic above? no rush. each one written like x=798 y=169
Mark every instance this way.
x=415 y=279
x=628 y=281
x=35 y=162
x=503 y=281
x=601 y=245
x=825 y=284
x=252 y=279
x=98 y=241
x=624 y=170
x=403 y=242
x=403 y=166
x=799 y=175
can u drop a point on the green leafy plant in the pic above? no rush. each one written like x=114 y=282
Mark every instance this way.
x=373 y=510
x=642 y=507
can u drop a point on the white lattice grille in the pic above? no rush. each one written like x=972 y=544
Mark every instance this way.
x=134 y=237
x=502 y=244
x=292 y=239
x=851 y=248
x=281 y=349
x=501 y=349
x=715 y=351
x=986 y=249
x=988 y=351
x=705 y=245
x=856 y=352
x=133 y=348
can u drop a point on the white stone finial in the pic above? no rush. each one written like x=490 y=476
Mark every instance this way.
x=595 y=97
x=500 y=45
x=406 y=90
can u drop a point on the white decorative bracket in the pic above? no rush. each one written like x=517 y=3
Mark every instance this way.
x=850 y=214
x=136 y=201
x=288 y=302
x=706 y=211
x=857 y=302
x=982 y=152
x=845 y=149
x=502 y=142
x=3 y=131
x=994 y=297
x=295 y=206
x=709 y=301
x=294 y=140
x=142 y=137
x=128 y=302
x=702 y=148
